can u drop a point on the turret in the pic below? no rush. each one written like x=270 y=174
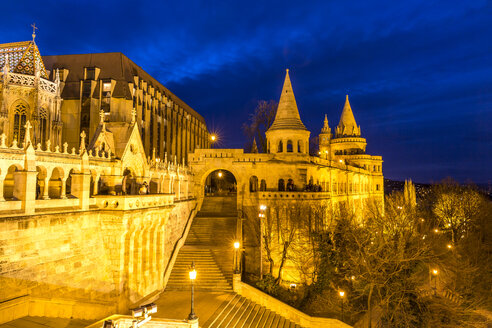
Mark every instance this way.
x=347 y=139
x=287 y=135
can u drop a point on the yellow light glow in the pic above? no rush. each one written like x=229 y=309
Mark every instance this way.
x=436 y=230
x=449 y=246
x=263 y=207
x=236 y=245
x=341 y=161
x=213 y=137
x=341 y=293
x=219 y=174
x=435 y=272
x=193 y=274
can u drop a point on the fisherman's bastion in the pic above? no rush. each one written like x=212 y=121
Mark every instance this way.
x=104 y=173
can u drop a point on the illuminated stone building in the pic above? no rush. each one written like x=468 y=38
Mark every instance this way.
x=102 y=171
x=112 y=83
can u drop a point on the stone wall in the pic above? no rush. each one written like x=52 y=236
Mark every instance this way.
x=97 y=255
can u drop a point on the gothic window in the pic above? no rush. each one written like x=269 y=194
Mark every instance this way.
x=20 y=118
x=43 y=125
x=289 y=146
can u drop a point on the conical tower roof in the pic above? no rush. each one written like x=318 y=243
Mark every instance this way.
x=287 y=116
x=347 y=125
x=326 y=126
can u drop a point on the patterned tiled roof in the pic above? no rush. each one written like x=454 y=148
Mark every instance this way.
x=22 y=57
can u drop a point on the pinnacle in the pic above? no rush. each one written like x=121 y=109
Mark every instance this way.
x=287 y=116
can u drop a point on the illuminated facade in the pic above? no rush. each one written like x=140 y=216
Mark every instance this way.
x=115 y=85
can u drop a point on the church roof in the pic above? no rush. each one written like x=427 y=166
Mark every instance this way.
x=347 y=125
x=287 y=116
x=22 y=57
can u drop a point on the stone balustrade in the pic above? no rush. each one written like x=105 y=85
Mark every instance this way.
x=293 y=195
x=133 y=202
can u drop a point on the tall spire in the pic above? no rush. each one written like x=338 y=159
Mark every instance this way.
x=347 y=125
x=326 y=126
x=287 y=116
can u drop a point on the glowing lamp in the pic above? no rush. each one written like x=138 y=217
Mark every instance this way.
x=263 y=207
x=341 y=293
x=236 y=245
x=213 y=137
x=435 y=272
x=219 y=174
x=192 y=274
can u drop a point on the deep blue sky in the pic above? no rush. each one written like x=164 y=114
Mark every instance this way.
x=419 y=73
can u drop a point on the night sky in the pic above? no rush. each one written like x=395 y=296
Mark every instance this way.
x=419 y=73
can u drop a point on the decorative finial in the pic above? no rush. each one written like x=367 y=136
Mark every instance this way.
x=346 y=97
x=6 y=66
x=101 y=116
x=34 y=28
x=287 y=70
x=134 y=114
x=27 y=138
x=82 y=141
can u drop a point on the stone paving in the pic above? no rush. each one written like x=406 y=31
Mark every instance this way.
x=43 y=322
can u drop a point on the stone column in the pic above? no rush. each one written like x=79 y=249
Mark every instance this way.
x=46 y=188
x=63 y=194
x=25 y=189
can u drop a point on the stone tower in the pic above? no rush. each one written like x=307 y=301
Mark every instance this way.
x=324 y=140
x=288 y=135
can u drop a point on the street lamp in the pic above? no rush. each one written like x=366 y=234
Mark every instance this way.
x=236 y=260
x=342 y=295
x=435 y=272
x=192 y=273
x=213 y=139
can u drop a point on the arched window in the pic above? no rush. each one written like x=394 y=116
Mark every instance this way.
x=280 y=147
x=263 y=185
x=281 y=185
x=290 y=148
x=20 y=118
x=43 y=125
x=253 y=184
x=299 y=148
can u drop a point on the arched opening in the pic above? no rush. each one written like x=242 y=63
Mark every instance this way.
x=281 y=185
x=55 y=185
x=263 y=185
x=9 y=182
x=253 y=184
x=299 y=147
x=290 y=185
x=280 y=147
x=128 y=183
x=221 y=183
x=290 y=148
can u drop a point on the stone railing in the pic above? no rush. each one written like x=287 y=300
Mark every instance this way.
x=293 y=195
x=287 y=311
x=133 y=202
x=124 y=321
x=30 y=81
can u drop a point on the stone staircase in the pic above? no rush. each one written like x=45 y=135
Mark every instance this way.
x=240 y=312
x=209 y=275
x=210 y=245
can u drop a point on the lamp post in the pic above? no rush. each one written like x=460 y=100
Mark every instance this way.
x=213 y=139
x=192 y=315
x=342 y=295
x=435 y=272
x=261 y=216
x=236 y=260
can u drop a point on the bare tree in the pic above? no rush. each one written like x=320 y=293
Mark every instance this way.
x=259 y=122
